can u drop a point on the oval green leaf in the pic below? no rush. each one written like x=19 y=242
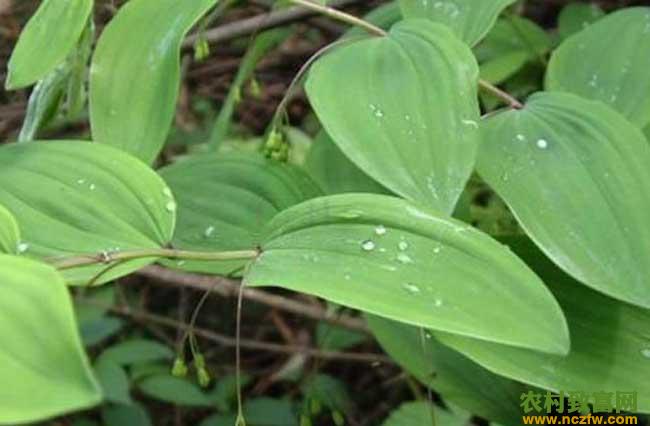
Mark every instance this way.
x=622 y=80
x=251 y=190
x=72 y=198
x=135 y=74
x=9 y=232
x=610 y=349
x=424 y=413
x=513 y=42
x=174 y=390
x=44 y=371
x=455 y=377
x=410 y=111
x=575 y=174
x=334 y=172
x=392 y=258
x=46 y=40
x=470 y=20
x=575 y=17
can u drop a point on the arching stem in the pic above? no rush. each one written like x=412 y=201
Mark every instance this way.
x=504 y=96
x=374 y=30
x=341 y=16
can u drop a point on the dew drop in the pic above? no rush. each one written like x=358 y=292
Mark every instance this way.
x=437 y=250
x=437 y=303
x=404 y=258
x=170 y=206
x=377 y=112
x=92 y=187
x=411 y=288
x=645 y=352
x=471 y=123
x=380 y=230
x=22 y=247
x=81 y=181
x=167 y=192
x=352 y=214
x=542 y=144
x=403 y=245
x=208 y=231
x=368 y=245
x=521 y=137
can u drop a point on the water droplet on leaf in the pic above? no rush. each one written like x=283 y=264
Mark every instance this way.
x=411 y=288
x=368 y=245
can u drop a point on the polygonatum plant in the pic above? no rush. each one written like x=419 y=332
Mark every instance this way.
x=373 y=219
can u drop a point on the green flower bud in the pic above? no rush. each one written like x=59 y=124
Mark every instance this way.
x=338 y=418
x=180 y=368
x=305 y=421
x=204 y=377
x=199 y=361
x=201 y=49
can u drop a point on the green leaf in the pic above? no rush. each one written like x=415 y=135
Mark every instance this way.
x=610 y=348
x=113 y=380
x=415 y=91
x=334 y=172
x=135 y=73
x=424 y=413
x=137 y=351
x=470 y=20
x=622 y=80
x=575 y=17
x=75 y=198
x=9 y=232
x=458 y=379
x=46 y=40
x=174 y=390
x=91 y=307
x=512 y=43
x=334 y=338
x=258 y=412
x=121 y=415
x=383 y=16
x=224 y=393
x=270 y=412
x=574 y=172
x=44 y=103
x=251 y=190
x=381 y=254
x=44 y=370
x=328 y=391
x=98 y=330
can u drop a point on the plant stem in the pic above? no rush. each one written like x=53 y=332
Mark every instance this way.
x=341 y=16
x=372 y=29
x=506 y=97
x=110 y=257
